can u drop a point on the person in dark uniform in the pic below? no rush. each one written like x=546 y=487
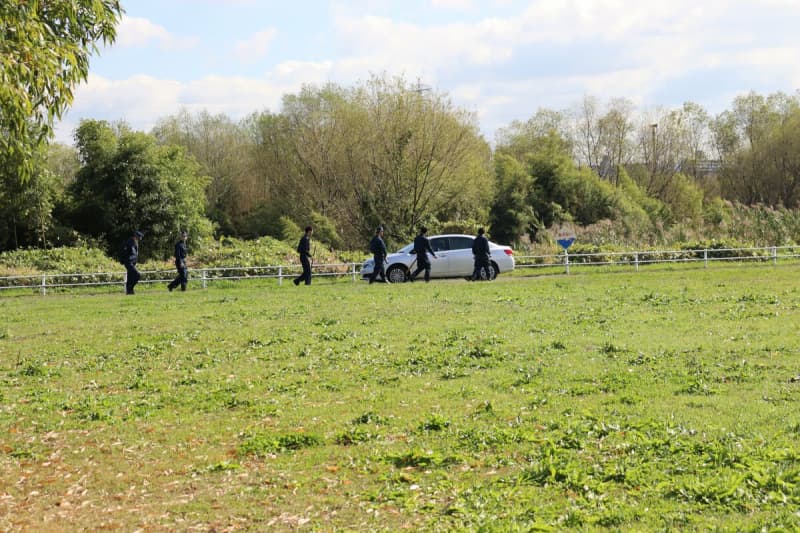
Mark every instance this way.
x=378 y=249
x=180 y=264
x=482 y=255
x=304 y=249
x=130 y=256
x=422 y=246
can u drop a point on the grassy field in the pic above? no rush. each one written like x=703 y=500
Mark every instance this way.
x=658 y=400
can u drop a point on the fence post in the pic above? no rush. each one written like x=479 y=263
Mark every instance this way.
x=354 y=272
x=204 y=278
x=280 y=276
x=636 y=260
x=775 y=255
x=705 y=258
x=566 y=260
x=125 y=281
x=44 y=283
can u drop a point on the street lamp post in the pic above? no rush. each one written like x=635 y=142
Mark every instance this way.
x=655 y=156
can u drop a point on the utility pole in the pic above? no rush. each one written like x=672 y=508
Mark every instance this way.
x=421 y=88
x=655 y=156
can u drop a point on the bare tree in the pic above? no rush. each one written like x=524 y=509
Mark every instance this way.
x=616 y=147
x=588 y=132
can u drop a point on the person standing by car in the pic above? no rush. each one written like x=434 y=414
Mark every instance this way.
x=421 y=248
x=378 y=249
x=482 y=255
x=180 y=264
x=304 y=249
x=129 y=257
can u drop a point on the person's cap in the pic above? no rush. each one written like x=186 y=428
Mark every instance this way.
x=184 y=233
x=379 y=228
x=138 y=234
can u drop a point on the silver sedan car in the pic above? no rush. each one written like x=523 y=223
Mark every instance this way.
x=453 y=259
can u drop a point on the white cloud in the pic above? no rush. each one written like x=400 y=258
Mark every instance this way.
x=462 y=5
x=257 y=46
x=136 y=100
x=142 y=100
x=137 y=32
x=769 y=58
x=296 y=73
x=388 y=44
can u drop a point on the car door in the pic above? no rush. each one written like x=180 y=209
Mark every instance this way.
x=439 y=264
x=460 y=258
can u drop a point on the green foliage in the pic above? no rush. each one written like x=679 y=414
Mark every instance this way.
x=226 y=252
x=685 y=199
x=354 y=436
x=325 y=230
x=511 y=215
x=547 y=189
x=61 y=260
x=758 y=140
x=370 y=418
x=742 y=226
x=762 y=224
x=716 y=213
x=346 y=159
x=260 y=444
x=236 y=252
x=422 y=459
x=220 y=147
x=262 y=220
x=290 y=232
x=522 y=139
x=467 y=226
x=44 y=53
x=129 y=182
x=379 y=153
x=26 y=209
x=564 y=193
x=654 y=208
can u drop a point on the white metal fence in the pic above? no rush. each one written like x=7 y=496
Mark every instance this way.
x=558 y=262
x=637 y=259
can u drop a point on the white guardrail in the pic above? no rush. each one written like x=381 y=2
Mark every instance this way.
x=636 y=259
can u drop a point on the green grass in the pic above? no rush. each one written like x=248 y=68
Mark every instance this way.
x=657 y=400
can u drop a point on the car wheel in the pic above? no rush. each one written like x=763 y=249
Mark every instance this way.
x=397 y=274
x=493 y=270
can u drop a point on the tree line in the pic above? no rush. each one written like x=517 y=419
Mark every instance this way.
x=346 y=159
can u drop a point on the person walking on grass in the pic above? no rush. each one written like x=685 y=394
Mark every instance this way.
x=422 y=246
x=180 y=264
x=378 y=249
x=482 y=256
x=129 y=257
x=304 y=249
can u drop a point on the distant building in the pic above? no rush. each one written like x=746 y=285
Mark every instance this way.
x=699 y=167
x=707 y=167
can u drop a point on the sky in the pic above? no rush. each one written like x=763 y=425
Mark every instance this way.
x=500 y=59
